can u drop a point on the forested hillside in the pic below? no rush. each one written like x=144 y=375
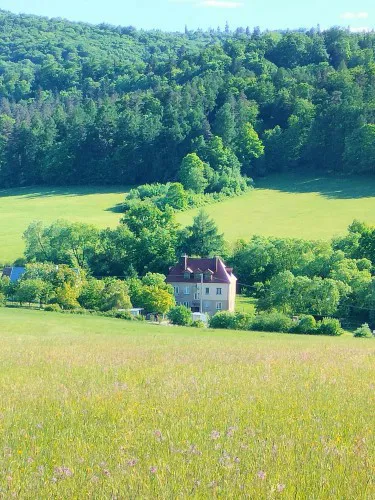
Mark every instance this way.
x=85 y=104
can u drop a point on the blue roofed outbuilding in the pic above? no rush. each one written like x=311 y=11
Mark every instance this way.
x=13 y=273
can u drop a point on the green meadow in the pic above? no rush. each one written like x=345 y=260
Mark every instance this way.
x=93 y=407
x=295 y=206
x=287 y=206
x=20 y=207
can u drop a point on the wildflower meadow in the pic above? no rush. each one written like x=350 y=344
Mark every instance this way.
x=92 y=407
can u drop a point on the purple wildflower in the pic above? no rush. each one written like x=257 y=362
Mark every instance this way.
x=231 y=431
x=280 y=487
x=153 y=469
x=261 y=475
x=158 y=435
x=63 y=472
x=215 y=435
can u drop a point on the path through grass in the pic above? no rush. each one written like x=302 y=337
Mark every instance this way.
x=98 y=408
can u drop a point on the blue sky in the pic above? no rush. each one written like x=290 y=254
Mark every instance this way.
x=174 y=14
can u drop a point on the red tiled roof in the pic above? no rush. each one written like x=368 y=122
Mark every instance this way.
x=213 y=266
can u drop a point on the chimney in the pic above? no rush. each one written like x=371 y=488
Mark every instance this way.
x=216 y=264
x=185 y=261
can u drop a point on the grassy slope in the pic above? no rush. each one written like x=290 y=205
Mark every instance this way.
x=89 y=394
x=295 y=206
x=19 y=207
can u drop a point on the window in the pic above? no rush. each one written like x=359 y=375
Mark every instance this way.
x=176 y=290
x=187 y=290
x=186 y=304
x=219 y=291
x=186 y=275
x=219 y=306
x=197 y=295
x=207 y=291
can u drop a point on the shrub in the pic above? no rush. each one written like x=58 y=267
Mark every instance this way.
x=306 y=324
x=123 y=315
x=241 y=321
x=272 y=322
x=180 y=315
x=126 y=315
x=53 y=308
x=221 y=320
x=330 y=326
x=198 y=324
x=78 y=310
x=2 y=299
x=363 y=331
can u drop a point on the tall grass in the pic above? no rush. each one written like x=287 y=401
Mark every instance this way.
x=100 y=408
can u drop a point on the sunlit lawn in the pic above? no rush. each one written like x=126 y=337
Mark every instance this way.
x=312 y=207
x=295 y=206
x=19 y=207
x=99 y=408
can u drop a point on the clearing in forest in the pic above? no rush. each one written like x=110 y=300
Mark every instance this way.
x=309 y=207
x=295 y=206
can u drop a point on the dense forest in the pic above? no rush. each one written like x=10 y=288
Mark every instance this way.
x=102 y=104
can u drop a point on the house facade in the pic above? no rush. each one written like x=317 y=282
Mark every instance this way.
x=203 y=285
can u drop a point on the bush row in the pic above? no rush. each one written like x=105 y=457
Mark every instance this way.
x=125 y=315
x=276 y=322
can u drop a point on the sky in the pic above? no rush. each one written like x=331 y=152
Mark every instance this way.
x=173 y=15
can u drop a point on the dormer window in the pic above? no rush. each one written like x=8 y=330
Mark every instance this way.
x=197 y=274
x=186 y=275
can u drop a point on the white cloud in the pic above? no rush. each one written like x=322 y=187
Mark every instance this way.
x=219 y=4
x=354 y=15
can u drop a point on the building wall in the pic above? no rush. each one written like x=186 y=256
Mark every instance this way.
x=232 y=293
x=213 y=301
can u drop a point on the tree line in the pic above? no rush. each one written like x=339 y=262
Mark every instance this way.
x=84 y=104
x=287 y=276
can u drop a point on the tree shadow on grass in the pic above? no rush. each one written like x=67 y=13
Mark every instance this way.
x=116 y=209
x=41 y=192
x=340 y=187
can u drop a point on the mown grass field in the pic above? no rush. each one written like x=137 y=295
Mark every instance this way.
x=98 y=408
x=19 y=207
x=284 y=205
x=295 y=206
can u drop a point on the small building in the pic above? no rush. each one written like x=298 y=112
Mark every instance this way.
x=197 y=316
x=136 y=311
x=204 y=285
x=13 y=273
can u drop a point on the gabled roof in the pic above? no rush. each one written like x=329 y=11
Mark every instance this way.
x=14 y=273
x=214 y=267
